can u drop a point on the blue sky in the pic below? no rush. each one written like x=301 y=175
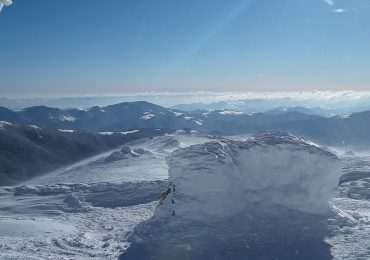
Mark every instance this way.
x=91 y=47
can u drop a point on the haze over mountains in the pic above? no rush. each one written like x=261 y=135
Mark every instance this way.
x=322 y=102
x=345 y=130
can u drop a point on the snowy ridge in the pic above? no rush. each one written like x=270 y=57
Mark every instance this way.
x=225 y=199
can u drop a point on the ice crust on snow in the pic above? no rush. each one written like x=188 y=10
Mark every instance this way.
x=225 y=174
x=279 y=168
x=227 y=198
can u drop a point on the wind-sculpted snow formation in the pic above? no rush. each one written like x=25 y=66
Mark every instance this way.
x=264 y=198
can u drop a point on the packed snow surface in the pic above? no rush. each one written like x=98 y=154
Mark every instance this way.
x=221 y=191
x=86 y=221
x=89 y=210
x=350 y=237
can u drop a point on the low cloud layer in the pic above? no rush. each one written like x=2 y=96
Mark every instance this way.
x=5 y=3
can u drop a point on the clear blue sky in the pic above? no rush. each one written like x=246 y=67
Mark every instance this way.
x=74 y=47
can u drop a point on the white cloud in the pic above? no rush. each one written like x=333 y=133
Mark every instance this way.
x=329 y=2
x=339 y=10
x=5 y=3
x=336 y=10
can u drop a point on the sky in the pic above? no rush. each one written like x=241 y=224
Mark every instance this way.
x=94 y=47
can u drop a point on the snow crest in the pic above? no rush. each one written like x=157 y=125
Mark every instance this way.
x=267 y=197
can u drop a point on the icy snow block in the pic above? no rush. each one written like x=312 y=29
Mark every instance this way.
x=265 y=198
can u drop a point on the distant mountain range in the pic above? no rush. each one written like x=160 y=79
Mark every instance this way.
x=38 y=139
x=28 y=151
x=323 y=103
x=120 y=117
x=352 y=130
x=325 y=108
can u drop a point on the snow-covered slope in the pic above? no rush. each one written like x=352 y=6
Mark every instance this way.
x=27 y=151
x=272 y=204
x=261 y=198
x=140 y=160
x=350 y=236
x=87 y=210
x=75 y=221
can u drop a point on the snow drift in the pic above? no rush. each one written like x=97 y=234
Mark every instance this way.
x=263 y=198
